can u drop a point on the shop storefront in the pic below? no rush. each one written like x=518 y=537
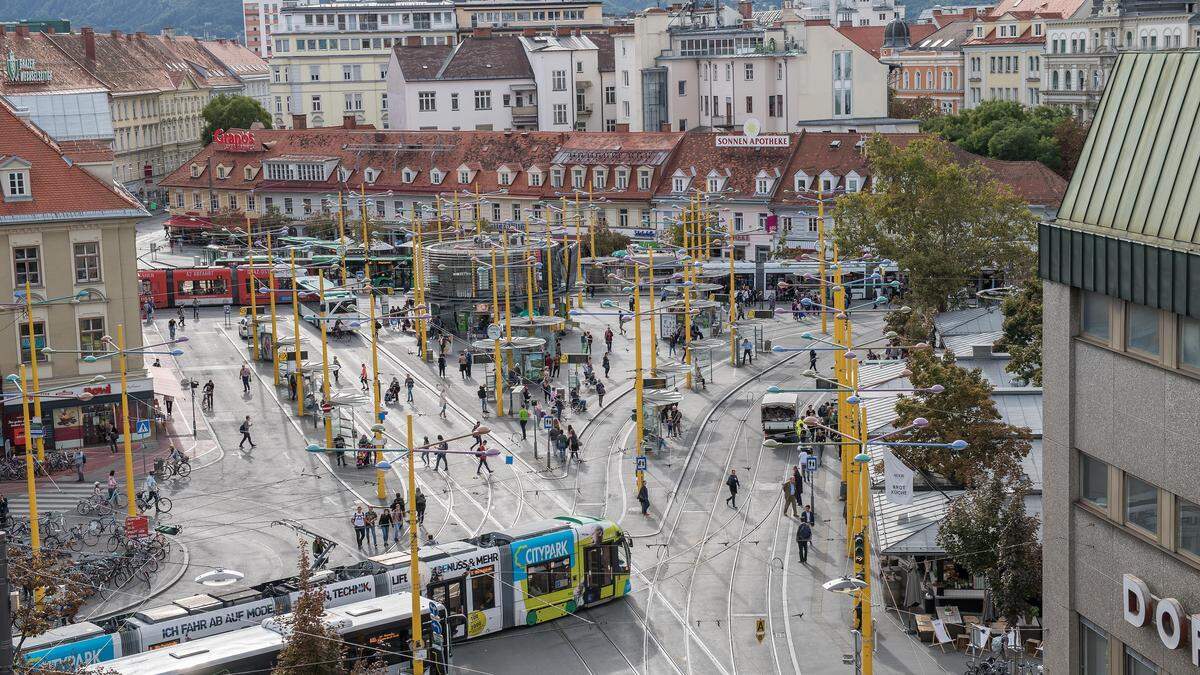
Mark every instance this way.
x=72 y=423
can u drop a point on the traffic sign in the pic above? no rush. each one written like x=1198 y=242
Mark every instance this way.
x=494 y=331
x=546 y=422
x=36 y=432
x=359 y=275
x=143 y=427
x=326 y=406
x=641 y=463
x=812 y=463
x=227 y=309
x=137 y=527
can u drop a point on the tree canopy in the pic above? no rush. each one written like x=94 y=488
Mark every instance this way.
x=987 y=531
x=1022 y=337
x=232 y=112
x=940 y=220
x=311 y=645
x=964 y=411
x=1009 y=130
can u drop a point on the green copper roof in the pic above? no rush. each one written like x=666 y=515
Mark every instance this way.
x=1139 y=175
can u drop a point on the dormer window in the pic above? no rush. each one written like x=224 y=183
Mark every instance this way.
x=678 y=184
x=408 y=175
x=599 y=178
x=343 y=175
x=535 y=178
x=436 y=176
x=762 y=185
x=828 y=183
x=464 y=176
x=504 y=177
x=196 y=170
x=16 y=185
x=714 y=184
x=556 y=177
x=578 y=177
x=853 y=182
x=622 y=179
x=223 y=171
x=801 y=182
x=644 y=177
x=248 y=172
x=370 y=175
x=978 y=31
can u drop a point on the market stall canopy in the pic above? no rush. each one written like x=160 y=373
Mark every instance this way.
x=166 y=382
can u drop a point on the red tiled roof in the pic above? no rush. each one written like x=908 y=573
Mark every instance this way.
x=58 y=185
x=186 y=54
x=236 y=58
x=698 y=152
x=1064 y=8
x=87 y=151
x=870 y=38
x=497 y=57
x=67 y=74
x=1026 y=38
x=125 y=64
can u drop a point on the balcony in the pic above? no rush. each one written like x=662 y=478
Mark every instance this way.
x=524 y=113
x=584 y=111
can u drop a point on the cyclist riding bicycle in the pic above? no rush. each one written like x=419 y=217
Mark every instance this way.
x=207 y=400
x=177 y=456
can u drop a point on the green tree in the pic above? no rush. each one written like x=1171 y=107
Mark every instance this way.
x=1009 y=130
x=607 y=241
x=964 y=411
x=232 y=112
x=63 y=593
x=310 y=646
x=912 y=326
x=1022 y=337
x=941 y=221
x=920 y=108
x=1070 y=135
x=987 y=531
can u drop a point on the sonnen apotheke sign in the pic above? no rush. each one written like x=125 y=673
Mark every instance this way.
x=24 y=70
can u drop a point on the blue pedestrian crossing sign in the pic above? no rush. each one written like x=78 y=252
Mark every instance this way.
x=811 y=463
x=36 y=430
x=546 y=422
x=508 y=459
x=143 y=427
x=641 y=463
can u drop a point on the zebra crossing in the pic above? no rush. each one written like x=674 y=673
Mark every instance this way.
x=59 y=498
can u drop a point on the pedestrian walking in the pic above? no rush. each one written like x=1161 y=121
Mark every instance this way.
x=808 y=516
x=621 y=322
x=643 y=497
x=362 y=377
x=442 y=365
x=398 y=502
x=523 y=419
x=803 y=537
x=481 y=453
x=482 y=394
x=469 y=362
x=600 y=391
x=789 y=498
x=80 y=460
x=112 y=487
x=195 y=309
x=420 y=507
x=425 y=451
x=605 y=364
x=747 y=351
x=336 y=367
x=812 y=359
x=573 y=443
x=245 y=429
x=112 y=438
x=733 y=483
x=442 y=458
x=409 y=383
x=339 y=454
x=372 y=533
x=398 y=519
x=182 y=319
x=462 y=365
x=608 y=338
x=588 y=335
x=245 y=375
x=385 y=524
x=169 y=402
x=171 y=328
x=359 y=521
x=442 y=401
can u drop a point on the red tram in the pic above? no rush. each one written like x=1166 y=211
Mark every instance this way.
x=180 y=287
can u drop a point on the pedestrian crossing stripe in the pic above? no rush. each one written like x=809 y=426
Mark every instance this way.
x=61 y=500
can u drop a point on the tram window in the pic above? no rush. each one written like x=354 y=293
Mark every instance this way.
x=599 y=566
x=449 y=595
x=548 y=577
x=202 y=287
x=483 y=592
x=620 y=562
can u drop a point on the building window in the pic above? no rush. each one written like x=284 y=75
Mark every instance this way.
x=39 y=340
x=678 y=185
x=643 y=180
x=1141 y=329
x=1093 y=649
x=27 y=265
x=578 y=176
x=737 y=222
x=560 y=113
x=683 y=87
x=610 y=95
x=1093 y=481
x=1187 y=526
x=558 y=80
x=1141 y=504
x=16 y=186
x=622 y=180
x=1095 y=312
x=427 y=101
x=843 y=84
x=749 y=104
x=556 y=177
x=380 y=208
x=464 y=176
x=87 y=261
x=483 y=99
x=1189 y=342
x=749 y=72
x=762 y=186
x=90 y=332
x=1136 y=664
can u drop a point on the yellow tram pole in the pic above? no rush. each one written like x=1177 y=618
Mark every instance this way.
x=33 y=366
x=578 y=253
x=821 y=254
x=296 y=339
x=528 y=276
x=35 y=535
x=507 y=301
x=253 y=289
x=549 y=267
x=129 y=479
x=342 y=236
x=324 y=361
x=637 y=377
x=732 y=300
x=274 y=323
x=414 y=562
x=418 y=265
x=380 y=474
x=498 y=364
x=687 y=304
x=653 y=316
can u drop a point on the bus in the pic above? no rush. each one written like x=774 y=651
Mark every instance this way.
x=376 y=629
x=336 y=303
x=207 y=286
x=780 y=412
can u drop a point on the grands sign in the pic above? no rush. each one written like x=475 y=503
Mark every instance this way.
x=1167 y=614
x=235 y=141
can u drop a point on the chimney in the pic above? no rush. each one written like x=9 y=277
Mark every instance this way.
x=746 y=9
x=115 y=33
x=562 y=32
x=529 y=32
x=168 y=32
x=23 y=31
x=846 y=24
x=622 y=126
x=412 y=41
x=89 y=46
x=50 y=30
x=348 y=122
x=578 y=33
x=141 y=35
x=299 y=121
x=482 y=32
x=3 y=30
x=664 y=126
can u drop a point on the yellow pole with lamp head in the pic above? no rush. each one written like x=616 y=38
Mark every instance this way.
x=380 y=474
x=687 y=303
x=33 y=367
x=418 y=264
x=549 y=265
x=637 y=377
x=324 y=362
x=414 y=561
x=528 y=276
x=342 y=236
x=274 y=323
x=253 y=283
x=129 y=479
x=732 y=300
x=507 y=301
x=498 y=363
x=653 y=316
x=821 y=254
x=299 y=374
x=35 y=536
x=579 y=251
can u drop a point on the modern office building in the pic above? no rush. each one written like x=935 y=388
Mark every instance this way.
x=1121 y=356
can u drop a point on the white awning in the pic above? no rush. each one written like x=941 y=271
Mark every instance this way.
x=166 y=382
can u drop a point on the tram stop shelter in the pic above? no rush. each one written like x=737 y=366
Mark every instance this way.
x=706 y=316
x=524 y=358
x=654 y=401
